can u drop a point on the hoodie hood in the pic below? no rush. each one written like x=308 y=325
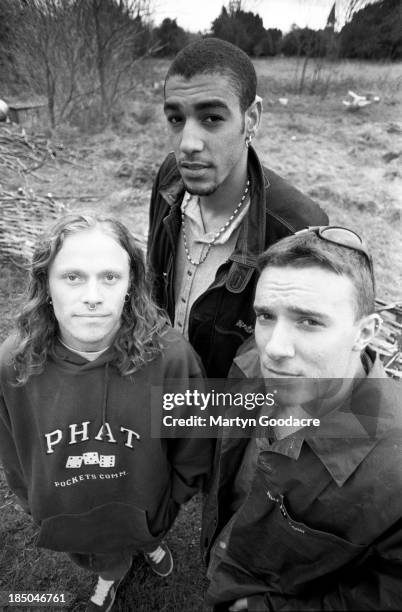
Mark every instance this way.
x=76 y=365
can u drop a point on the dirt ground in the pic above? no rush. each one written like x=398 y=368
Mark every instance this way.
x=342 y=159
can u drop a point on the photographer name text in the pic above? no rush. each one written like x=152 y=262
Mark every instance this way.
x=238 y=422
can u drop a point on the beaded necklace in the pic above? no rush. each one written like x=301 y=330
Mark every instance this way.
x=217 y=234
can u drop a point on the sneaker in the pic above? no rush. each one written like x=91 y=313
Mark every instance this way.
x=103 y=595
x=160 y=560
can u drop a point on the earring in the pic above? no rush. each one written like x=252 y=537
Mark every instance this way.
x=378 y=324
x=49 y=300
x=249 y=138
x=127 y=298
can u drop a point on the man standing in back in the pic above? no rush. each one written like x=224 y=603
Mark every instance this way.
x=214 y=207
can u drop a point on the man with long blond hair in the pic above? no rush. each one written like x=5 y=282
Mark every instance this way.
x=75 y=411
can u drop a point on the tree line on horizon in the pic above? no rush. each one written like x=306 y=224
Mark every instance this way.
x=372 y=33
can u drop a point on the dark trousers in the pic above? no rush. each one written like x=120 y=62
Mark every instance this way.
x=109 y=566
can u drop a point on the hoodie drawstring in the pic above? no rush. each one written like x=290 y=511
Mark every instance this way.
x=104 y=397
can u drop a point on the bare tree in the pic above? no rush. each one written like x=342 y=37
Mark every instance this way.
x=35 y=46
x=114 y=30
x=73 y=51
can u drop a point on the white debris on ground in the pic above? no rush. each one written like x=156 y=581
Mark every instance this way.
x=354 y=101
x=3 y=110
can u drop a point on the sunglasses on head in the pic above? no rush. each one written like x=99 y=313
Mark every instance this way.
x=341 y=236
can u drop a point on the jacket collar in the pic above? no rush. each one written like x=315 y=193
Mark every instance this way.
x=347 y=435
x=247 y=359
x=172 y=187
x=350 y=433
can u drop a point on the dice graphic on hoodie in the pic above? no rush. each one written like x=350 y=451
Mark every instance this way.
x=107 y=460
x=91 y=458
x=74 y=461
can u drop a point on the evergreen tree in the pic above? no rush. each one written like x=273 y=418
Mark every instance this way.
x=374 y=32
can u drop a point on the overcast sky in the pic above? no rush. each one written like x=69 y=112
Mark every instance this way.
x=197 y=15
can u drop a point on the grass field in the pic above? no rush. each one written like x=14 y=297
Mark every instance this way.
x=339 y=158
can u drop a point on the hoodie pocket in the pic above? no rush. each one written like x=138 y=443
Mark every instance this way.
x=104 y=529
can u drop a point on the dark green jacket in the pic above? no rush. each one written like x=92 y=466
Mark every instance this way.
x=319 y=529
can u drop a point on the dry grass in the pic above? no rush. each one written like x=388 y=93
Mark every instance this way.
x=282 y=75
x=25 y=568
x=338 y=157
x=335 y=156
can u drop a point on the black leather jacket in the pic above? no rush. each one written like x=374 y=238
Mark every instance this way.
x=223 y=317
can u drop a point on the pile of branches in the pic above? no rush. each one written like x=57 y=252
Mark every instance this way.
x=23 y=218
x=388 y=342
x=23 y=154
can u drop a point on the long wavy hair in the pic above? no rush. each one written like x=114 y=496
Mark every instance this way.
x=138 y=340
